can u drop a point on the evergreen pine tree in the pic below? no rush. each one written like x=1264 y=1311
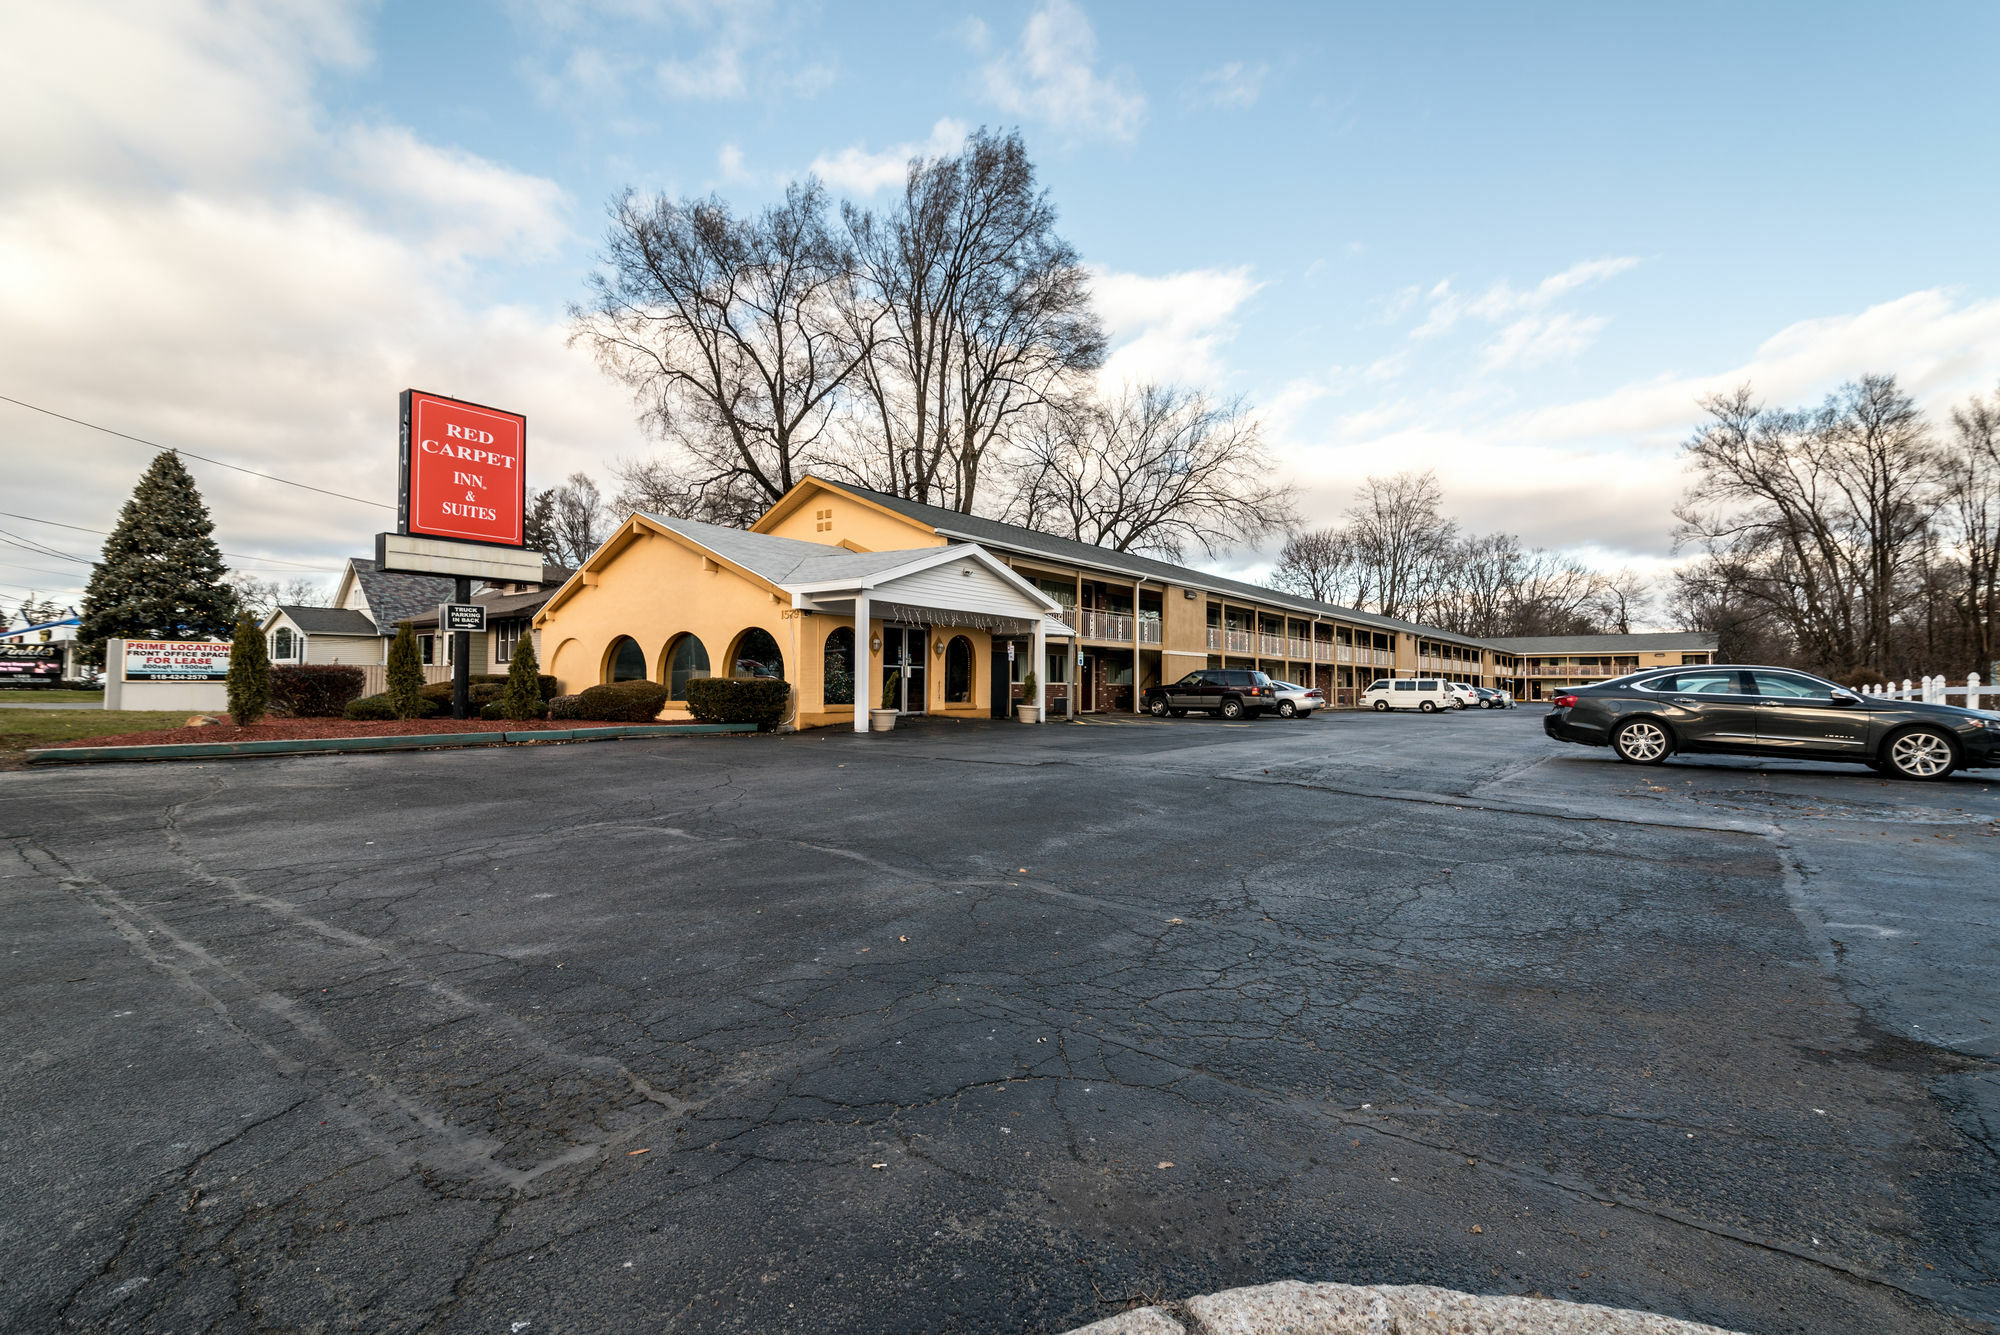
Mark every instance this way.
x=522 y=698
x=161 y=573
x=249 y=673
x=406 y=674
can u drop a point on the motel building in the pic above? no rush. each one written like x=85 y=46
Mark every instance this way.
x=952 y=612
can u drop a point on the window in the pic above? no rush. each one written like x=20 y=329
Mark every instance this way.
x=626 y=661
x=1427 y=686
x=958 y=671
x=1697 y=683
x=1789 y=686
x=823 y=521
x=686 y=657
x=757 y=657
x=838 y=685
x=282 y=644
x=427 y=649
x=506 y=638
x=1406 y=685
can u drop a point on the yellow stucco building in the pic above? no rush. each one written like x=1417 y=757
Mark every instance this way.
x=956 y=610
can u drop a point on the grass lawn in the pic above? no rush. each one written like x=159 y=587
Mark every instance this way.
x=64 y=697
x=23 y=728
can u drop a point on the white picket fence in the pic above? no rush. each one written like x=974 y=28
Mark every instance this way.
x=1936 y=690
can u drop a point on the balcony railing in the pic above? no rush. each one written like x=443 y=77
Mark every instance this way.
x=1098 y=625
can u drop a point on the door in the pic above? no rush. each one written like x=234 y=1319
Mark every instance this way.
x=1003 y=680
x=1797 y=713
x=1714 y=707
x=1186 y=693
x=903 y=668
x=1086 y=668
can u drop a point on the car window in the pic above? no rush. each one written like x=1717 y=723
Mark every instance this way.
x=1790 y=686
x=1406 y=686
x=1703 y=683
x=1257 y=679
x=1427 y=685
x=1191 y=679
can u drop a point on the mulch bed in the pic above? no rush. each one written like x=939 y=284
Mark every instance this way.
x=275 y=730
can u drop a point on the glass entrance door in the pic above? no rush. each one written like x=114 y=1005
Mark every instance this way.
x=903 y=668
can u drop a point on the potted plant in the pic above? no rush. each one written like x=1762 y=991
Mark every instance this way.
x=884 y=719
x=1030 y=708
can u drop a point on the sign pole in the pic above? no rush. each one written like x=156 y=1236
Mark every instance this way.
x=461 y=660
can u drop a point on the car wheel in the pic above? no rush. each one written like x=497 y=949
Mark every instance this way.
x=1642 y=742
x=1920 y=753
x=1232 y=709
x=1428 y=707
x=1158 y=707
x=1381 y=706
x=1286 y=709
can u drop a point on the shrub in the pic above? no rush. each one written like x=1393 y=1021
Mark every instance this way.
x=523 y=697
x=406 y=674
x=623 y=702
x=480 y=691
x=383 y=707
x=315 y=690
x=249 y=672
x=566 y=707
x=496 y=710
x=722 y=700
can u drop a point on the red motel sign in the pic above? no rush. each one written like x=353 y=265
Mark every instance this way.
x=464 y=470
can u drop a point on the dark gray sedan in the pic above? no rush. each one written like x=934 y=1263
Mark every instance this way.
x=1765 y=711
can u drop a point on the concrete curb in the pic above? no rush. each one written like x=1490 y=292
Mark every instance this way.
x=1293 y=1308
x=423 y=741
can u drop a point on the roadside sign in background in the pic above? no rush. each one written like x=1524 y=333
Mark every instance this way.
x=462 y=616
x=464 y=471
x=31 y=662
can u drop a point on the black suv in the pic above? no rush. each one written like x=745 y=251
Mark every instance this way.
x=1767 y=711
x=1225 y=692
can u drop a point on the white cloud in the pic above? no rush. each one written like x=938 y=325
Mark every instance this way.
x=1050 y=75
x=1502 y=299
x=1231 y=84
x=1536 y=340
x=1517 y=468
x=857 y=171
x=1168 y=327
x=190 y=276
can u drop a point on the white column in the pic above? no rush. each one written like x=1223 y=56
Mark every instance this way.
x=1972 y=690
x=1040 y=664
x=864 y=664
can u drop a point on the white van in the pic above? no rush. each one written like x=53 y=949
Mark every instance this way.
x=1428 y=694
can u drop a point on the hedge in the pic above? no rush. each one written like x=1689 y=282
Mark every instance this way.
x=566 y=707
x=381 y=707
x=315 y=690
x=623 y=702
x=485 y=686
x=724 y=700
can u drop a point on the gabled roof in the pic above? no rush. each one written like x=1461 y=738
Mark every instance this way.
x=500 y=606
x=395 y=597
x=323 y=620
x=1687 y=641
x=788 y=560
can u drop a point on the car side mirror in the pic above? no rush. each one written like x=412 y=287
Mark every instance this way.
x=1846 y=699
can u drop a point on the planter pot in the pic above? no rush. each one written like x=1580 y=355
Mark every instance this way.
x=881 y=720
x=1028 y=713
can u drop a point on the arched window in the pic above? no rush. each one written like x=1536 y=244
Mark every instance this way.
x=626 y=661
x=281 y=644
x=757 y=657
x=839 y=667
x=687 y=657
x=958 y=671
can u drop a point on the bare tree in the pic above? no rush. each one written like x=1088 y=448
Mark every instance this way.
x=1155 y=469
x=735 y=335
x=1322 y=563
x=1971 y=475
x=572 y=520
x=1623 y=595
x=263 y=595
x=1404 y=538
x=985 y=314
x=1816 y=516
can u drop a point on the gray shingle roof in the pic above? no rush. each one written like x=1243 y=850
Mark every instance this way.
x=328 y=620
x=500 y=606
x=394 y=597
x=1028 y=542
x=1689 y=641
x=788 y=560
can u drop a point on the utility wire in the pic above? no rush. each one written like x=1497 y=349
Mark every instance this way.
x=6 y=538
x=241 y=556
x=271 y=477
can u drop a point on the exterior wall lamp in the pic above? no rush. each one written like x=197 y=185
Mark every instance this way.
x=875 y=644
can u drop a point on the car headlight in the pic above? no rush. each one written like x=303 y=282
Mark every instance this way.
x=1989 y=724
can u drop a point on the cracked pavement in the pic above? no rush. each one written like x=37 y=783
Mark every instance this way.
x=981 y=1027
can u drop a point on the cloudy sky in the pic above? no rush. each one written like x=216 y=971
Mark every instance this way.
x=1513 y=243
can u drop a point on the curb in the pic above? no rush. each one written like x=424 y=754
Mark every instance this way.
x=425 y=741
x=1292 y=1308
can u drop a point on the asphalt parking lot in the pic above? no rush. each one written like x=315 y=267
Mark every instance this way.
x=983 y=1027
